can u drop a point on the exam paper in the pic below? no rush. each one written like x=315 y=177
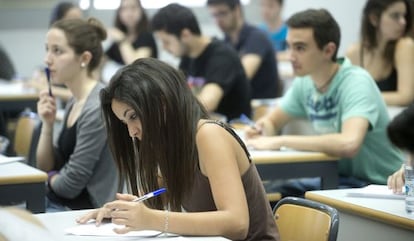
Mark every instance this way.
x=6 y=159
x=375 y=191
x=106 y=229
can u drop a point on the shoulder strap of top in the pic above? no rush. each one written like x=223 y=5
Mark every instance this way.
x=231 y=131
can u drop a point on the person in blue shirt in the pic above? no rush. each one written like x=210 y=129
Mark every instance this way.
x=274 y=26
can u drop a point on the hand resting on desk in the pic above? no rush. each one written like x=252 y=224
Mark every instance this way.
x=396 y=180
x=122 y=212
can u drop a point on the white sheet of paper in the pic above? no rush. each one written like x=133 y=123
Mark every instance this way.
x=6 y=159
x=106 y=229
x=375 y=191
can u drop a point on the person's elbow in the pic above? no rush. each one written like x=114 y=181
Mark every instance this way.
x=349 y=148
x=239 y=229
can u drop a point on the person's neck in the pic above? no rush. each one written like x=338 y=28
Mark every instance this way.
x=81 y=87
x=234 y=34
x=198 y=45
x=274 y=24
x=324 y=77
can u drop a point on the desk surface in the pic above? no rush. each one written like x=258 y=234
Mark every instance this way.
x=17 y=173
x=16 y=90
x=58 y=222
x=266 y=157
x=389 y=211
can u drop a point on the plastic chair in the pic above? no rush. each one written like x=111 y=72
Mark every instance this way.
x=26 y=136
x=302 y=219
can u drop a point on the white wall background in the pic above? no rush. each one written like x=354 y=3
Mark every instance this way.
x=22 y=31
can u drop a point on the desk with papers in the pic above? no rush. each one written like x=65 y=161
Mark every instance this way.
x=14 y=96
x=57 y=223
x=365 y=218
x=22 y=183
x=287 y=164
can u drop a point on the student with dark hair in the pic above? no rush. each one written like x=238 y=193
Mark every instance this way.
x=254 y=48
x=65 y=10
x=401 y=134
x=80 y=167
x=132 y=38
x=7 y=71
x=213 y=69
x=386 y=49
x=342 y=102
x=161 y=136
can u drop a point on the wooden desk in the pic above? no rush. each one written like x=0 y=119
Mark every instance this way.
x=363 y=219
x=22 y=183
x=14 y=96
x=287 y=164
x=58 y=222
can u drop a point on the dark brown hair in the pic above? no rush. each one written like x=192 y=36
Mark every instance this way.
x=169 y=114
x=84 y=35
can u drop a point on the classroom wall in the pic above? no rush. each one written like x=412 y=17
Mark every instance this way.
x=22 y=30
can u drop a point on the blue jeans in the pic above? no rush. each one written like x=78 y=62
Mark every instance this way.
x=53 y=207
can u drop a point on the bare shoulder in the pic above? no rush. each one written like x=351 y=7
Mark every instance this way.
x=405 y=43
x=353 y=52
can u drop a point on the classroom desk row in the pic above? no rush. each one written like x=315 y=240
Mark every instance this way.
x=20 y=182
x=14 y=96
x=367 y=218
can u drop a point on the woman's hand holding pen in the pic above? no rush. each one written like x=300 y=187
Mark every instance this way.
x=46 y=107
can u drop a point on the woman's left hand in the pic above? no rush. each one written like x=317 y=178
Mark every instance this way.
x=134 y=215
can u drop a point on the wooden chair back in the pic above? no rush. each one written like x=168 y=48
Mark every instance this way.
x=302 y=219
x=25 y=135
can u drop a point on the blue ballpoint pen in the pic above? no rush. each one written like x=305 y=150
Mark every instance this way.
x=150 y=195
x=47 y=72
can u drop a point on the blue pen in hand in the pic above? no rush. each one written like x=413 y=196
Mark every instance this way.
x=149 y=195
x=47 y=72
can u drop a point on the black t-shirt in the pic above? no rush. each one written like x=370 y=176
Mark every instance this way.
x=145 y=39
x=266 y=80
x=220 y=64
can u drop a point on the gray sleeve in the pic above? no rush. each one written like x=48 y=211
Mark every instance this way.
x=90 y=143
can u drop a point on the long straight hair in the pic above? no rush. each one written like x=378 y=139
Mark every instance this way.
x=169 y=114
x=369 y=31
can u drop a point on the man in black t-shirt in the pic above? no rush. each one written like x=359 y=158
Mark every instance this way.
x=213 y=70
x=254 y=48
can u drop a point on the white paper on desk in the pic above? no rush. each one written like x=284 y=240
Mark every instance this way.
x=375 y=191
x=6 y=159
x=106 y=229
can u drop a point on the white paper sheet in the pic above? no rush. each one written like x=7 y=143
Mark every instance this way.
x=106 y=229
x=6 y=159
x=374 y=191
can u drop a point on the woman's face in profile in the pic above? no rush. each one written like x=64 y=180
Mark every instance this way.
x=127 y=115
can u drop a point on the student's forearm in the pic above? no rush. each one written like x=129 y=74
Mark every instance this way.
x=398 y=99
x=332 y=144
x=44 y=153
x=217 y=223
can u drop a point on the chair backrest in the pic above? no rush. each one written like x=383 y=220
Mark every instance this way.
x=302 y=219
x=26 y=136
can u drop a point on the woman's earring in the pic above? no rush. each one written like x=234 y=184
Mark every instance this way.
x=83 y=65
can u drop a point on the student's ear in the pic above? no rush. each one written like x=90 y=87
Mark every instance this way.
x=329 y=49
x=185 y=34
x=86 y=58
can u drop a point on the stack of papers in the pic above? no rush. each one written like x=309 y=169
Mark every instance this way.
x=374 y=191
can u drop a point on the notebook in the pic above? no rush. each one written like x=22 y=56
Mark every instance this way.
x=375 y=191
